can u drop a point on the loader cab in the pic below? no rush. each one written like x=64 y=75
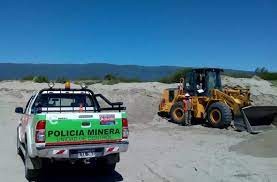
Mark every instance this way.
x=199 y=82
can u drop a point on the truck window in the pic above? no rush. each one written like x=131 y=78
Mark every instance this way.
x=63 y=100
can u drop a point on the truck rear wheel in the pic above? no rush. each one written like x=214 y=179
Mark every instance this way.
x=107 y=164
x=177 y=113
x=105 y=168
x=219 y=115
x=30 y=174
x=19 y=151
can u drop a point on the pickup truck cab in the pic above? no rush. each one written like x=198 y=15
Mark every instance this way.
x=70 y=125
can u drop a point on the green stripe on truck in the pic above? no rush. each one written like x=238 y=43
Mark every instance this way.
x=72 y=130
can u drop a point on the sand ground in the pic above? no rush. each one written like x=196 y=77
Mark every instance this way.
x=159 y=150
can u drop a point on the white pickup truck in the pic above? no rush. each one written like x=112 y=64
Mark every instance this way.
x=70 y=125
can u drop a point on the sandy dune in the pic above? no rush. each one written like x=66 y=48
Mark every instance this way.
x=159 y=150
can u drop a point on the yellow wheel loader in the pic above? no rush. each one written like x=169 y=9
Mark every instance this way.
x=200 y=97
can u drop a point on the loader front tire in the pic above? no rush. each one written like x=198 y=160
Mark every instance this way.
x=219 y=115
x=177 y=113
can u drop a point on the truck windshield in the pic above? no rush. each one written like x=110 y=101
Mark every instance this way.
x=64 y=100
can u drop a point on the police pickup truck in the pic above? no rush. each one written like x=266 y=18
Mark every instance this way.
x=70 y=125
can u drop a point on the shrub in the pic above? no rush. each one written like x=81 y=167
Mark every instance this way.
x=87 y=82
x=89 y=78
x=265 y=74
x=128 y=80
x=109 y=76
x=61 y=80
x=110 y=79
x=238 y=74
x=268 y=76
x=40 y=79
x=175 y=77
x=261 y=70
x=28 y=78
x=110 y=82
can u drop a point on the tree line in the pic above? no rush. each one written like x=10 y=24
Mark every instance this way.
x=110 y=78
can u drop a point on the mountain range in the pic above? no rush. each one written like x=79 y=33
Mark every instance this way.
x=10 y=71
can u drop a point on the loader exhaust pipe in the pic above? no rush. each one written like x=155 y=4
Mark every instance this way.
x=253 y=118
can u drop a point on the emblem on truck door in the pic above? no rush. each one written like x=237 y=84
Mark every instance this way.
x=53 y=121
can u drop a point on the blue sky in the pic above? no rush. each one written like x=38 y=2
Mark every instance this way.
x=238 y=34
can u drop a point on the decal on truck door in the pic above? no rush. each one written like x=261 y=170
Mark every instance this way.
x=107 y=119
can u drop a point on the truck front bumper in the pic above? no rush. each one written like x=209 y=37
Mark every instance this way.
x=69 y=151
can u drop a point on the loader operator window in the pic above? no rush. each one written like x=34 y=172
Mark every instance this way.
x=189 y=83
x=200 y=81
x=213 y=81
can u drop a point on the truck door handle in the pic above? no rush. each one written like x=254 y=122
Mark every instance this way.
x=86 y=124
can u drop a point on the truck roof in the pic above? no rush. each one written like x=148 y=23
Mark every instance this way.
x=62 y=90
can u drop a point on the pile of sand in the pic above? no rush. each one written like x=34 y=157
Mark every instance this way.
x=142 y=99
x=159 y=150
x=262 y=93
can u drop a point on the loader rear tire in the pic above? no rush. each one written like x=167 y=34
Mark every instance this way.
x=219 y=115
x=177 y=113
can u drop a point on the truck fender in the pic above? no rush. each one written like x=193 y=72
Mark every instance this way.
x=20 y=134
x=29 y=141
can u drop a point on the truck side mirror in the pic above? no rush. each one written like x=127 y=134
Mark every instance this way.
x=19 y=110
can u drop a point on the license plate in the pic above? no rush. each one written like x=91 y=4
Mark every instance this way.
x=86 y=154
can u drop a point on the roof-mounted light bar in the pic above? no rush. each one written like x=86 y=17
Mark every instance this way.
x=83 y=85
x=67 y=85
x=51 y=84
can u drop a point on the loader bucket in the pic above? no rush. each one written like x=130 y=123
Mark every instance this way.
x=255 y=118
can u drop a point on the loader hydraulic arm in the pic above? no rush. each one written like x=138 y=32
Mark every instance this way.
x=232 y=102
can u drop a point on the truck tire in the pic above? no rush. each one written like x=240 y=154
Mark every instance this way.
x=107 y=164
x=177 y=113
x=19 y=151
x=219 y=115
x=105 y=168
x=30 y=174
